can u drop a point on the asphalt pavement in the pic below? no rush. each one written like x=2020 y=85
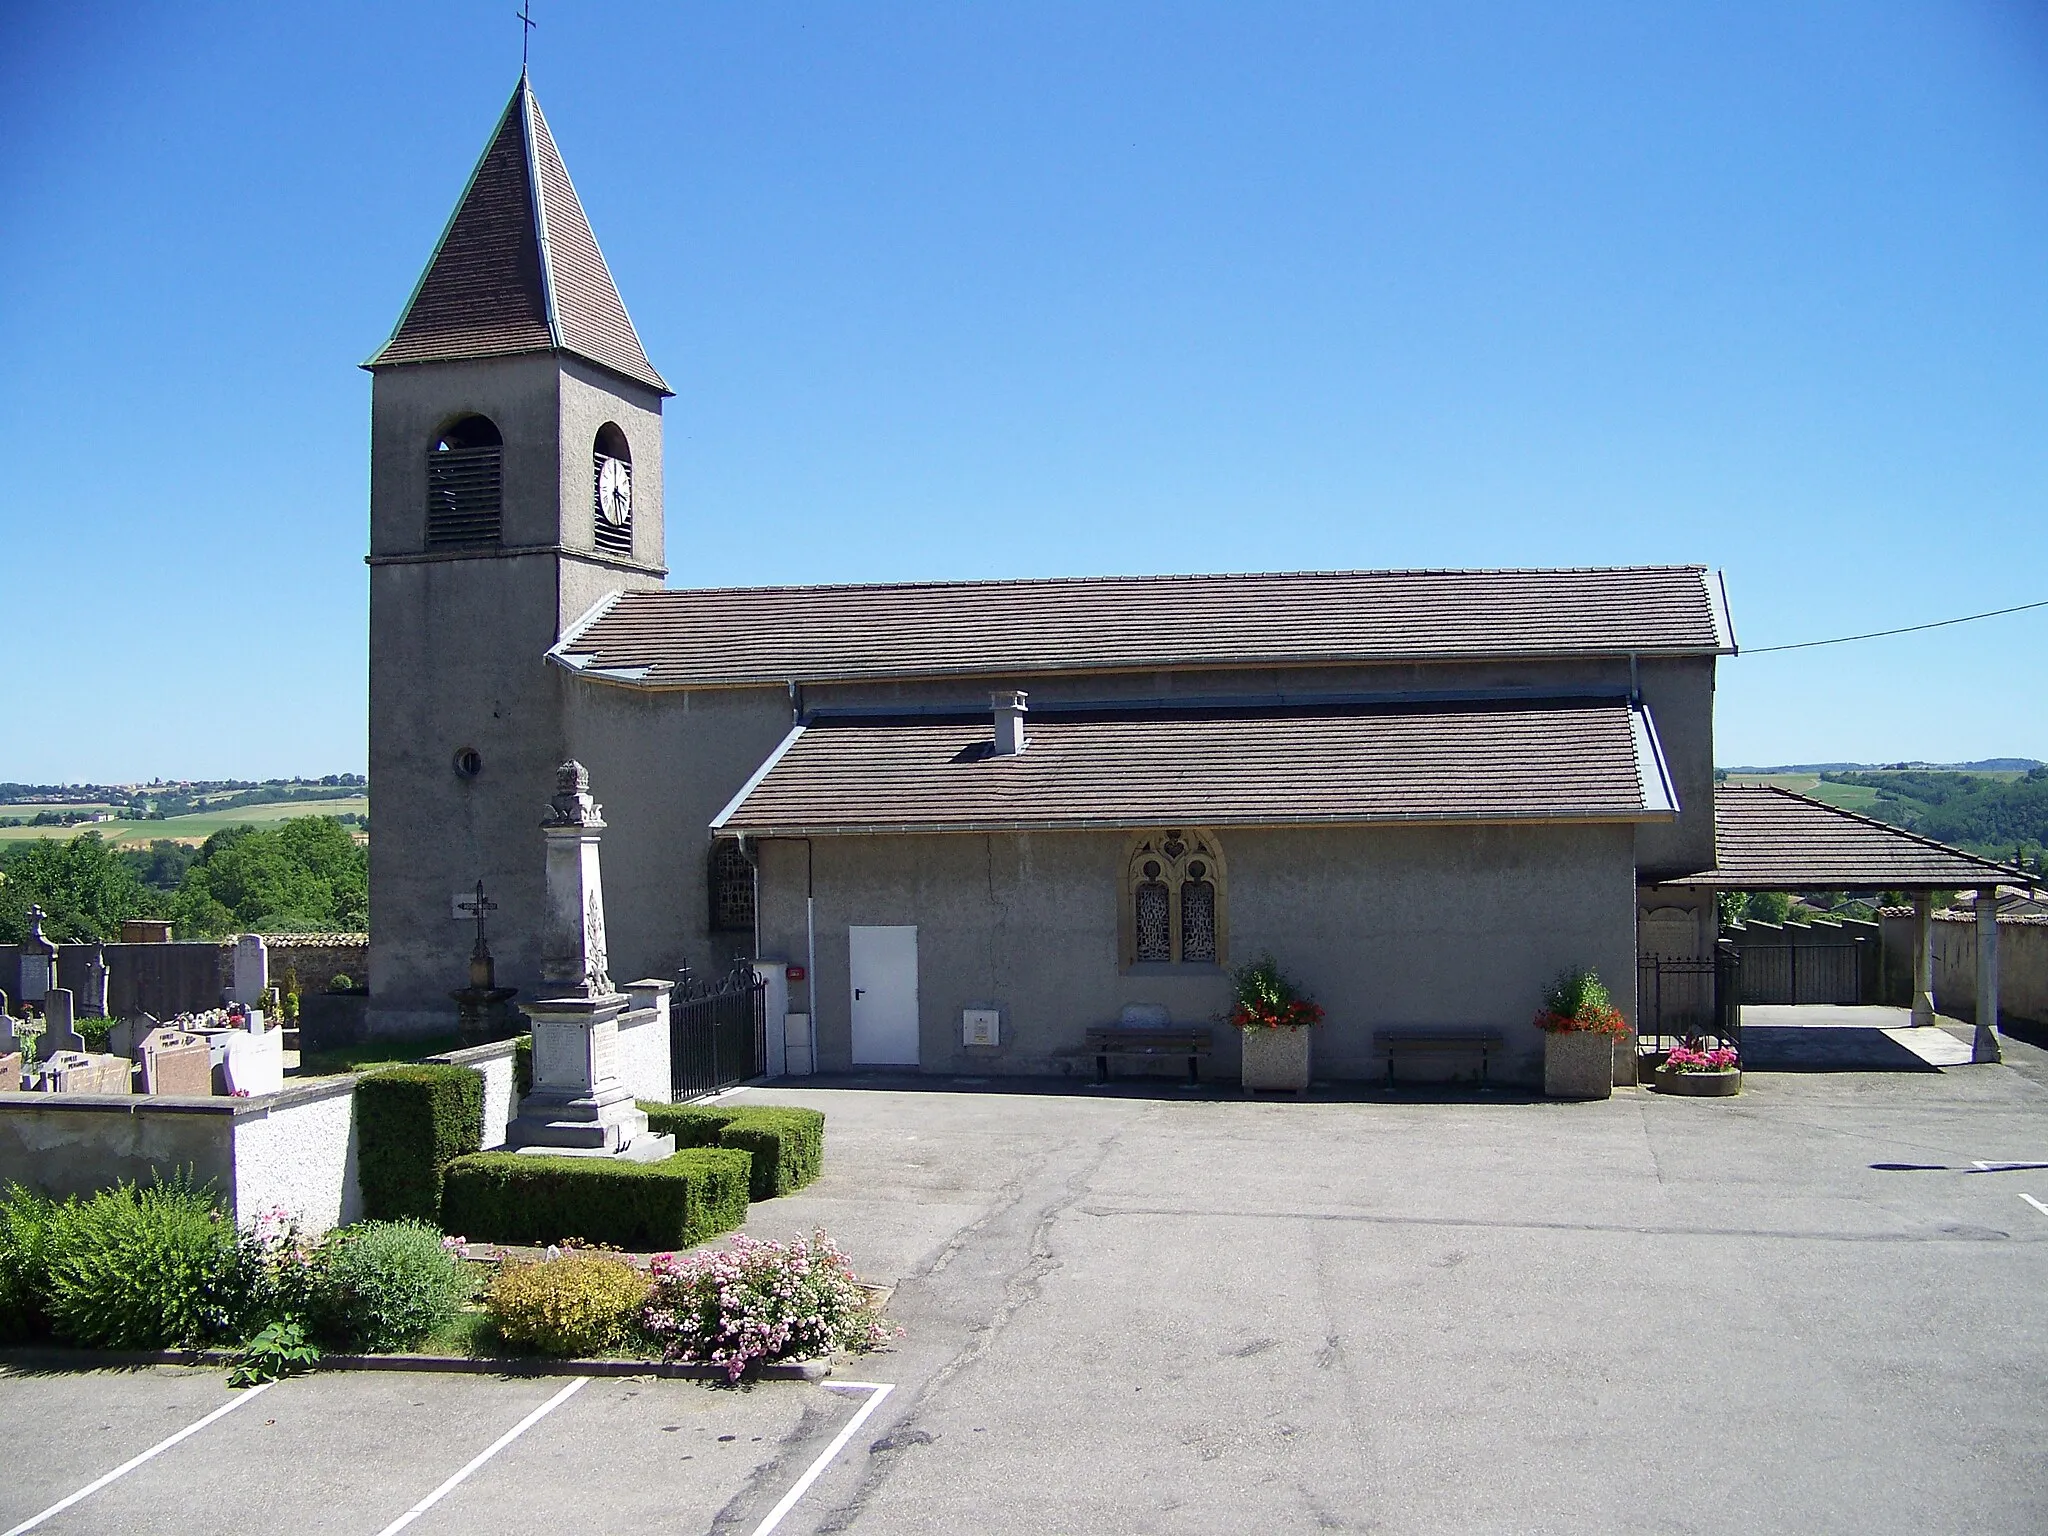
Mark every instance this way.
x=1151 y=1309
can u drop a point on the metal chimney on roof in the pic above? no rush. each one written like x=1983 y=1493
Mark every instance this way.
x=1009 y=713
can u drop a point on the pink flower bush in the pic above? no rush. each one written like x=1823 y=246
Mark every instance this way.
x=754 y=1301
x=1690 y=1058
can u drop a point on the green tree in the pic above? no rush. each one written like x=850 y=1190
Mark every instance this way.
x=307 y=874
x=82 y=885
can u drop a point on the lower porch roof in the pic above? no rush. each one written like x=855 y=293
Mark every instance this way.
x=1770 y=839
x=1584 y=760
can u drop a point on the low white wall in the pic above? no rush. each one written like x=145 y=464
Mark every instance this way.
x=644 y=1052
x=297 y=1149
x=65 y=1144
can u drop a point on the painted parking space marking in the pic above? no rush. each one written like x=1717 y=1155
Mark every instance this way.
x=1978 y=1165
x=483 y=1456
x=133 y=1462
x=876 y=1392
x=2037 y=1205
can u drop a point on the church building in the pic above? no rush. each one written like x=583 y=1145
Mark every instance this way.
x=976 y=818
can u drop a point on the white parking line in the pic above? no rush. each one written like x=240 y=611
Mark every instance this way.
x=876 y=1392
x=2037 y=1205
x=1978 y=1165
x=133 y=1462
x=485 y=1455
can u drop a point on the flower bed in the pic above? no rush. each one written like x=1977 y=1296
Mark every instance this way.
x=1700 y=1072
x=753 y=1301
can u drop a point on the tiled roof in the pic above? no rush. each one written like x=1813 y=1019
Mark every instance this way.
x=1769 y=839
x=730 y=636
x=1591 y=760
x=517 y=269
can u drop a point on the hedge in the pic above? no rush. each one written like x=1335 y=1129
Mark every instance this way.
x=411 y=1122
x=522 y=1197
x=786 y=1144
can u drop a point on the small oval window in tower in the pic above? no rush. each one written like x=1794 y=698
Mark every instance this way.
x=465 y=484
x=612 y=491
x=469 y=762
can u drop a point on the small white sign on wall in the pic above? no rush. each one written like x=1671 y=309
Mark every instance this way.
x=981 y=1026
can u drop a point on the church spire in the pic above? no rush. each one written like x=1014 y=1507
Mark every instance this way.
x=517 y=269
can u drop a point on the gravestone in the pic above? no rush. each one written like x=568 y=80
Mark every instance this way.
x=58 y=1031
x=92 y=1003
x=176 y=1063
x=38 y=960
x=254 y=1063
x=84 y=1072
x=10 y=1072
x=252 y=970
x=579 y=1105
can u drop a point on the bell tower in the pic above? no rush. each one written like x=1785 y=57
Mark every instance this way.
x=515 y=479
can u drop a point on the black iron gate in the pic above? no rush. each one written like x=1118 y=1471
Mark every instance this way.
x=718 y=1032
x=1802 y=973
x=1680 y=1000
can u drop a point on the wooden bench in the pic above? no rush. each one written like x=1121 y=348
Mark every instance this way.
x=1107 y=1040
x=1437 y=1042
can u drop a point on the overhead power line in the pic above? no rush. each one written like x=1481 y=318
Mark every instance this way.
x=1879 y=634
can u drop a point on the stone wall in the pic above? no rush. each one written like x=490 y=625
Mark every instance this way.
x=185 y=977
x=1386 y=927
x=2022 y=966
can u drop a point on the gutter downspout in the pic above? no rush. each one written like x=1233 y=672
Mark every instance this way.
x=811 y=950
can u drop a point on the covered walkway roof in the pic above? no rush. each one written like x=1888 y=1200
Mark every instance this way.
x=1769 y=839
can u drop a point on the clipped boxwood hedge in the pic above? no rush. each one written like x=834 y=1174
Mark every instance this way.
x=786 y=1144
x=411 y=1122
x=523 y=1197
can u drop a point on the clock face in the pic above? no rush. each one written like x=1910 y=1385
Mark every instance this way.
x=615 y=492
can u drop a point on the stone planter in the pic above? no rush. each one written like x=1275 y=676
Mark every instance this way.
x=1275 y=1058
x=1578 y=1064
x=1699 y=1085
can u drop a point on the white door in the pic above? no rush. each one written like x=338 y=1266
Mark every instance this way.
x=884 y=967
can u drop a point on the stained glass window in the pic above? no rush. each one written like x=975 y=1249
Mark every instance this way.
x=1198 y=922
x=1155 y=930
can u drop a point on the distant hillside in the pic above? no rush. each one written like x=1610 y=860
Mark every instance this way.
x=2001 y=813
x=1983 y=765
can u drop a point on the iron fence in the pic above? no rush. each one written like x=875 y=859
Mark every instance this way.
x=718 y=1031
x=1802 y=973
x=1690 y=1000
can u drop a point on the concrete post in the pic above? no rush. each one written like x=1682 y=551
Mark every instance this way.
x=1923 y=957
x=1985 y=1047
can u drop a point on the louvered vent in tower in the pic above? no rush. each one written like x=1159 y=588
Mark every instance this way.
x=465 y=486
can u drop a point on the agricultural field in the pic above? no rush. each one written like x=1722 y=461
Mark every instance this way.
x=1851 y=797
x=196 y=828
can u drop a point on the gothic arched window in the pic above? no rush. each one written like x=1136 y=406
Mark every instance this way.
x=465 y=485
x=612 y=491
x=1173 y=899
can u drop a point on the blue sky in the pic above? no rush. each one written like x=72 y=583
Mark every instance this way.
x=970 y=291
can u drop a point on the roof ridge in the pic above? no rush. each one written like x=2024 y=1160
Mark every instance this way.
x=1165 y=578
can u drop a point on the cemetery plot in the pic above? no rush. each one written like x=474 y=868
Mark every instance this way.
x=348 y=1453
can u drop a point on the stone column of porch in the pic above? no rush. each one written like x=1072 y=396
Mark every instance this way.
x=1985 y=1047
x=1923 y=957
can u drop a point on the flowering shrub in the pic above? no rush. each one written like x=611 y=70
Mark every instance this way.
x=578 y=1305
x=1268 y=1000
x=754 y=1301
x=278 y=1266
x=1690 y=1058
x=1579 y=1002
